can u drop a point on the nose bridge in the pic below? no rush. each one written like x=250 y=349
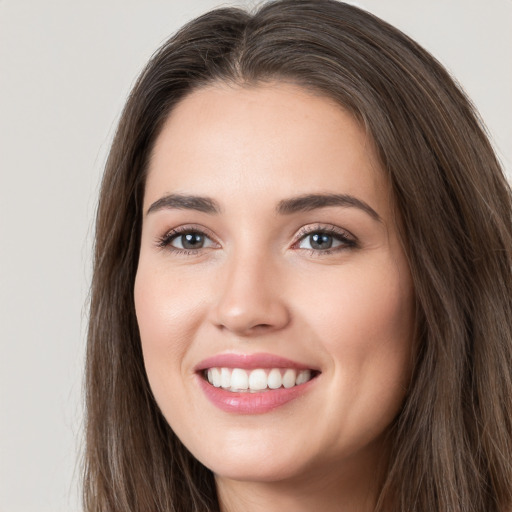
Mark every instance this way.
x=249 y=299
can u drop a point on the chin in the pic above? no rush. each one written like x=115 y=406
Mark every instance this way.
x=251 y=460
x=272 y=469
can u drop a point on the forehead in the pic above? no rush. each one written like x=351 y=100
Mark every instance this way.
x=273 y=139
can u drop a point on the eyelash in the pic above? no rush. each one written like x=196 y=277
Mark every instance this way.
x=348 y=240
x=165 y=241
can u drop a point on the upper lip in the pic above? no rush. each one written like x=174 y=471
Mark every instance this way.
x=249 y=362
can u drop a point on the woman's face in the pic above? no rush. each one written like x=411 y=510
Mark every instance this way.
x=270 y=260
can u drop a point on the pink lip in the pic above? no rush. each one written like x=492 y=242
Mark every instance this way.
x=249 y=362
x=252 y=403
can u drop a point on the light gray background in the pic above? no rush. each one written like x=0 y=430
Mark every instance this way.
x=65 y=70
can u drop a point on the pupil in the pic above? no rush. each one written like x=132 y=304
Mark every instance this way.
x=192 y=240
x=321 y=241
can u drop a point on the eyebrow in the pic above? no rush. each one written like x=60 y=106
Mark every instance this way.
x=302 y=203
x=185 y=202
x=310 y=202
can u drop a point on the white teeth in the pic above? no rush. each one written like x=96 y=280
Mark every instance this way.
x=258 y=380
x=225 y=378
x=237 y=379
x=216 y=377
x=289 y=378
x=303 y=377
x=274 y=379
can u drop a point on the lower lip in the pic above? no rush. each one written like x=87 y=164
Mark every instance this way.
x=252 y=403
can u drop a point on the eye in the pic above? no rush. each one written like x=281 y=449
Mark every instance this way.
x=325 y=240
x=318 y=241
x=193 y=240
x=186 y=240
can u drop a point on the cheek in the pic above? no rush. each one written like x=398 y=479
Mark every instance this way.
x=366 y=326
x=360 y=308
x=377 y=317
x=167 y=320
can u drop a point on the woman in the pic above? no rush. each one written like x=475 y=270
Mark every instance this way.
x=301 y=293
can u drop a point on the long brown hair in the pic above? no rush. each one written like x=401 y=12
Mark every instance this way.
x=452 y=441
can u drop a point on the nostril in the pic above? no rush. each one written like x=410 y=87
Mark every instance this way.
x=247 y=306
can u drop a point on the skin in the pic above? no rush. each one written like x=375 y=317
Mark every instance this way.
x=259 y=285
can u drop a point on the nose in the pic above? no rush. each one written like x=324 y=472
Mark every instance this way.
x=250 y=300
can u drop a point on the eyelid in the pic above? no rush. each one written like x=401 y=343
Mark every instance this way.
x=350 y=241
x=164 y=241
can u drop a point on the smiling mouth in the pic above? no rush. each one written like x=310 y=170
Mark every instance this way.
x=239 y=380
